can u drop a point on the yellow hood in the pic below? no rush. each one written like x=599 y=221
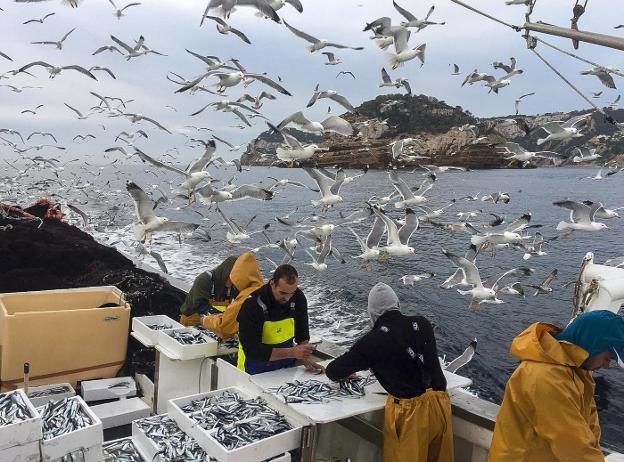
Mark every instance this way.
x=246 y=273
x=537 y=343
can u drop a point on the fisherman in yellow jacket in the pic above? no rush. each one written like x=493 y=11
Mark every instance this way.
x=246 y=278
x=548 y=412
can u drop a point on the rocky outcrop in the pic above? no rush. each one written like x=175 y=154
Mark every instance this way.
x=438 y=139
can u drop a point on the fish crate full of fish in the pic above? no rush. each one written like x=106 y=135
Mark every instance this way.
x=45 y=393
x=234 y=426
x=20 y=422
x=147 y=327
x=187 y=343
x=70 y=426
x=121 y=450
x=159 y=439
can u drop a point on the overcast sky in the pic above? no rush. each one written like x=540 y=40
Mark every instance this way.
x=170 y=26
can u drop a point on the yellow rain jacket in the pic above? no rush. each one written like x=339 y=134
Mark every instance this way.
x=246 y=277
x=548 y=412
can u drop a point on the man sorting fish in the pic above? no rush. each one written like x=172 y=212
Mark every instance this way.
x=401 y=351
x=273 y=326
x=211 y=292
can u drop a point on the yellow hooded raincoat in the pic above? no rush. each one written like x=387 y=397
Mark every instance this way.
x=548 y=412
x=246 y=277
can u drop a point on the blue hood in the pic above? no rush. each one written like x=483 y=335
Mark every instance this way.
x=596 y=332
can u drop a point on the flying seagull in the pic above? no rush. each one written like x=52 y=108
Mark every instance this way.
x=225 y=29
x=119 y=11
x=55 y=70
x=58 y=44
x=544 y=286
x=40 y=21
x=316 y=43
x=462 y=359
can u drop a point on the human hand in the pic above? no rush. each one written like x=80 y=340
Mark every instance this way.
x=311 y=366
x=302 y=351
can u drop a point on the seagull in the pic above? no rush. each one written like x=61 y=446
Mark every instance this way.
x=225 y=29
x=603 y=74
x=40 y=21
x=209 y=196
x=227 y=6
x=17 y=89
x=78 y=113
x=32 y=111
x=151 y=223
x=345 y=73
x=292 y=150
x=138 y=50
x=586 y=155
x=615 y=103
x=497 y=197
x=563 y=131
x=398 y=238
x=193 y=175
x=119 y=12
x=134 y=118
x=511 y=234
x=596 y=94
x=318 y=262
x=402 y=51
x=455 y=70
x=534 y=249
x=407 y=195
x=110 y=48
x=83 y=137
x=316 y=43
x=474 y=77
x=5 y=56
x=236 y=233
x=104 y=69
x=495 y=84
x=333 y=124
x=41 y=134
x=581 y=216
x=83 y=215
x=370 y=247
x=329 y=188
x=331 y=59
x=519 y=99
x=604 y=212
x=412 y=279
x=431 y=213
x=480 y=292
x=231 y=79
x=59 y=44
x=257 y=101
x=55 y=70
x=413 y=21
x=386 y=81
x=544 y=286
x=331 y=94
x=285 y=182
x=458 y=277
x=522 y=155
x=462 y=359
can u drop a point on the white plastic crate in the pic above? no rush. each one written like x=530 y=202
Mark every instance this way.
x=28 y=452
x=140 y=326
x=92 y=454
x=42 y=400
x=121 y=412
x=258 y=451
x=99 y=390
x=22 y=432
x=82 y=439
x=186 y=352
x=110 y=458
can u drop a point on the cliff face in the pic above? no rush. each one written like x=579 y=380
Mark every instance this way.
x=434 y=127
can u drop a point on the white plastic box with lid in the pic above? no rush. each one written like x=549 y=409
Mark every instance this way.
x=88 y=439
x=186 y=352
x=257 y=451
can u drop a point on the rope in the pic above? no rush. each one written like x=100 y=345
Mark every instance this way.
x=500 y=21
x=569 y=83
x=577 y=57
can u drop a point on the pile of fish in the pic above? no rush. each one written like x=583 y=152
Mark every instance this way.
x=53 y=390
x=121 y=451
x=225 y=409
x=231 y=342
x=187 y=337
x=160 y=326
x=62 y=417
x=268 y=424
x=173 y=444
x=13 y=409
x=314 y=391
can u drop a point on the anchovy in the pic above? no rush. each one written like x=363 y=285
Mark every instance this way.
x=229 y=343
x=124 y=384
x=160 y=326
x=13 y=409
x=121 y=451
x=266 y=424
x=55 y=390
x=314 y=391
x=62 y=417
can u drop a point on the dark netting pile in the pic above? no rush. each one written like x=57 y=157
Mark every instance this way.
x=38 y=254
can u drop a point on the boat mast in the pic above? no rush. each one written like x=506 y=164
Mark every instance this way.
x=582 y=36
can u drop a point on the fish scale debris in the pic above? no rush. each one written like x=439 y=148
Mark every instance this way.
x=314 y=391
x=267 y=424
x=173 y=444
x=62 y=417
x=13 y=409
x=121 y=451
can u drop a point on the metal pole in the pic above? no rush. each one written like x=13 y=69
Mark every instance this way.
x=589 y=37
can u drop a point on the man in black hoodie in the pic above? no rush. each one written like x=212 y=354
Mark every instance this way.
x=211 y=292
x=401 y=351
